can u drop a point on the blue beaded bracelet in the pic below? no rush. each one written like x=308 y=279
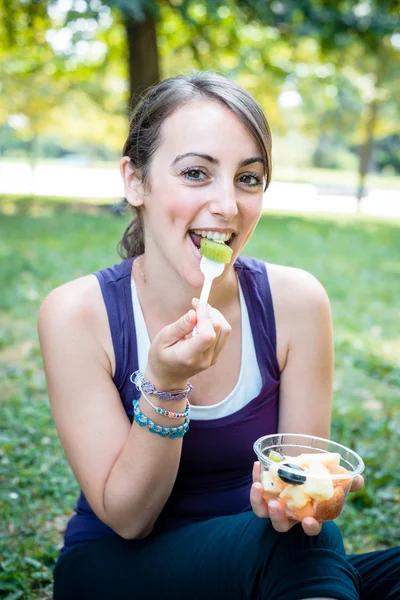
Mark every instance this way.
x=143 y=421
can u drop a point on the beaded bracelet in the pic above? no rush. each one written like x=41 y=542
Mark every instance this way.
x=169 y=413
x=137 y=378
x=143 y=421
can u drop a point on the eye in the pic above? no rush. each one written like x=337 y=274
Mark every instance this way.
x=194 y=174
x=250 y=179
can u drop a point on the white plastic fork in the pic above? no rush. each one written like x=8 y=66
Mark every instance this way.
x=210 y=269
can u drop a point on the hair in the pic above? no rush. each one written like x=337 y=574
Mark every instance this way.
x=160 y=102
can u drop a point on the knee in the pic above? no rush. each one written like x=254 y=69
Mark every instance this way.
x=328 y=539
x=290 y=544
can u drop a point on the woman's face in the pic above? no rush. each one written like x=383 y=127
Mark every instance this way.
x=206 y=176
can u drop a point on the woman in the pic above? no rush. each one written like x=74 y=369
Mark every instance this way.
x=166 y=503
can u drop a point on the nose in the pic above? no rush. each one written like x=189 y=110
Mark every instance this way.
x=224 y=202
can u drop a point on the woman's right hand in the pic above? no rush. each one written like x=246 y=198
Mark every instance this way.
x=176 y=355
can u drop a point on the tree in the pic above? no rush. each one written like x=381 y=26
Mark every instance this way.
x=345 y=31
x=48 y=86
x=29 y=71
x=139 y=18
x=266 y=46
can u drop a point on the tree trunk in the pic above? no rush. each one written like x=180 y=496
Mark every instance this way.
x=143 y=56
x=366 y=149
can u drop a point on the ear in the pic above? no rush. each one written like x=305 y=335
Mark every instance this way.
x=132 y=182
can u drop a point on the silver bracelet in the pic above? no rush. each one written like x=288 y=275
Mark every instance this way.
x=137 y=378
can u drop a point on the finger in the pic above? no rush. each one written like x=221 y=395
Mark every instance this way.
x=279 y=520
x=203 y=317
x=256 y=471
x=205 y=337
x=357 y=483
x=223 y=331
x=221 y=327
x=170 y=334
x=311 y=526
x=257 y=501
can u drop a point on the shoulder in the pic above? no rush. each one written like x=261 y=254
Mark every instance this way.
x=73 y=301
x=73 y=319
x=295 y=288
x=301 y=308
x=287 y=281
x=74 y=316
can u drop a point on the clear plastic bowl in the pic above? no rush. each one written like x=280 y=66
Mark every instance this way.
x=308 y=492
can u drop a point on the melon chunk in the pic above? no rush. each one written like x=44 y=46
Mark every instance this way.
x=338 y=470
x=306 y=511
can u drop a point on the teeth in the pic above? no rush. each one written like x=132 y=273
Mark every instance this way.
x=213 y=235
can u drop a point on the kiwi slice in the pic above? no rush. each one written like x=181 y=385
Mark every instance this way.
x=217 y=251
x=275 y=456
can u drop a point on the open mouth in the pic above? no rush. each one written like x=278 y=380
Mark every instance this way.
x=197 y=234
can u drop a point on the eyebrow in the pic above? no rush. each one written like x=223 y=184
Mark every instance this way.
x=250 y=161
x=210 y=159
x=215 y=161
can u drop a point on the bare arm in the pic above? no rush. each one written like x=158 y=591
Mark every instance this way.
x=125 y=471
x=305 y=356
x=304 y=317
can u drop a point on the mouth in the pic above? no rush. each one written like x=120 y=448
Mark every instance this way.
x=225 y=238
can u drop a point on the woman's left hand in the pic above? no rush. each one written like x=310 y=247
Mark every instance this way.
x=274 y=511
x=357 y=484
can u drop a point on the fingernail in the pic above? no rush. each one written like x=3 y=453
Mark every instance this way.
x=272 y=505
x=187 y=318
x=258 y=485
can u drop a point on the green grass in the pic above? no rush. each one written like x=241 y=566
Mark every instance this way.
x=45 y=206
x=357 y=259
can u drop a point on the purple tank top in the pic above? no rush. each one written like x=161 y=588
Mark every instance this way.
x=214 y=475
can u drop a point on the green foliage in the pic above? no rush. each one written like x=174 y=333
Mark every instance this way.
x=63 y=73
x=338 y=55
x=134 y=9
x=336 y=23
x=356 y=260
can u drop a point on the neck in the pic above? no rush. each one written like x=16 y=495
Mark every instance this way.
x=168 y=296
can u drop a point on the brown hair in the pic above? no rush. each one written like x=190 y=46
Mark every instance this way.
x=158 y=104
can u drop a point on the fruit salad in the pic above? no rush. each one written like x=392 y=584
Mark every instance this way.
x=308 y=485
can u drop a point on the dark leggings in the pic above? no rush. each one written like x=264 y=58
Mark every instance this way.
x=380 y=573
x=239 y=557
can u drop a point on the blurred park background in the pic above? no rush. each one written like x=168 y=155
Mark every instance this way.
x=326 y=73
